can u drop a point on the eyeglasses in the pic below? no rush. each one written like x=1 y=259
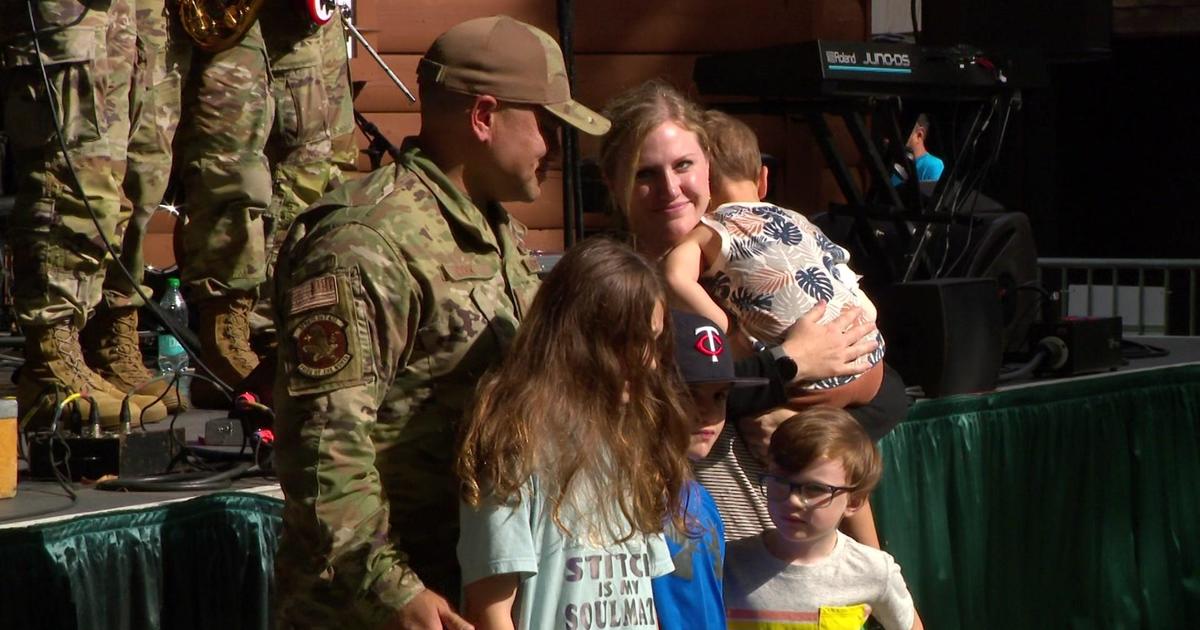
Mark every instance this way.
x=811 y=495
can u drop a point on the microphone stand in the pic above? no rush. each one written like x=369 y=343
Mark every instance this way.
x=374 y=55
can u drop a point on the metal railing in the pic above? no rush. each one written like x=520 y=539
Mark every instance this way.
x=1109 y=279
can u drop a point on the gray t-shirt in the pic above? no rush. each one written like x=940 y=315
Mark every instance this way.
x=566 y=582
x=836 y=593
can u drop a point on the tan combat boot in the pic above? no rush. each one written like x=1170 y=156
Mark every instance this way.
x=54 y=368
x=110 y=346
x=224 y=347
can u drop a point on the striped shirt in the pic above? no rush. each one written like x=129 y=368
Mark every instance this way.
x=730 y=473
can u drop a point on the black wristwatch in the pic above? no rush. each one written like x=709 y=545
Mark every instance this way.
x=785 y=364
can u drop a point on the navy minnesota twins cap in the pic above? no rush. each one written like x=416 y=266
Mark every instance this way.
x=701 y=354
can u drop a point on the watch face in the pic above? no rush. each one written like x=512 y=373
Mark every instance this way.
x=787 y=368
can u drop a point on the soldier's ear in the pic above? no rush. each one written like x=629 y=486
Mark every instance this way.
x=483 y=117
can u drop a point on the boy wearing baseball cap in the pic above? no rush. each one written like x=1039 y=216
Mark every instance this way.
x=691 y=596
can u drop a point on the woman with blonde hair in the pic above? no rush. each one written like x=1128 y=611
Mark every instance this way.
x=655 y=160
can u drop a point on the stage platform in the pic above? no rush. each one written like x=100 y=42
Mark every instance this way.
x=1048 y=503
x=43 y=501
x=40 y=501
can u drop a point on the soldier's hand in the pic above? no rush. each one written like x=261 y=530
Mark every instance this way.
x=829 y=349
x=429 y=611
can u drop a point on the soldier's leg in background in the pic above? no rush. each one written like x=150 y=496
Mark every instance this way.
x=227 y=114
x=299 y=147
x=110 y=339
x=335 y=74
x=58 y=243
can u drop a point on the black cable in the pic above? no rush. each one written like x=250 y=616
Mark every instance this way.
x=379 y=143
x=912 y=14
x=987 y=167
x=967 y=182
x=63 y=482
x=63 y=478
x=13 y=518
x=1044 y=296
x=1026 y=370
x=1137 y=350
x=178 y=482
x=190 y=343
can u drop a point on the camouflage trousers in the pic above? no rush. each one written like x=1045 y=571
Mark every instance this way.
x=313 y=137
x=255 y=142
x=154 y=116
x=88 y=50
x=225 y=120
x=125 y=80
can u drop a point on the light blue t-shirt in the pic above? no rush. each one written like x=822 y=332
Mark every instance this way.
x=929 y=169
x=690 y=597
x=570 y=583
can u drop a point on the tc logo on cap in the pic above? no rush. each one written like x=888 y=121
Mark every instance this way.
x=708 y=342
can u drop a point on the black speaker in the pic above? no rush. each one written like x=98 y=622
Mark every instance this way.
x=1001 y=246
x=1064 y=30
x=944 y=334
x=996 y=245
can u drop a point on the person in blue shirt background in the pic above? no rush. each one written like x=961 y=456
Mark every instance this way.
x=929 y=166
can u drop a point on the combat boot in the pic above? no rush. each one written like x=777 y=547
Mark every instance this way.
x=54 y=368
x=110 y=342
x=224 y=347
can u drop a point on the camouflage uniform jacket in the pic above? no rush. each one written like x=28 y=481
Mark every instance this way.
x=395 y=295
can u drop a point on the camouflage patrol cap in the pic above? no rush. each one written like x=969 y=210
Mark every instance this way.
x=510 y=60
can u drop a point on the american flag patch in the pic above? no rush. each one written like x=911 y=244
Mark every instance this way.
x=320 y=291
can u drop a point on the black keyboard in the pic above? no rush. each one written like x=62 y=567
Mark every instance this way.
x=823 y=69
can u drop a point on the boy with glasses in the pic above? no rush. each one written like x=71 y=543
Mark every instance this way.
x=805 y=573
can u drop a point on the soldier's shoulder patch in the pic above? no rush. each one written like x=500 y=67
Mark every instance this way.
x=322 y=348
x=314 y=293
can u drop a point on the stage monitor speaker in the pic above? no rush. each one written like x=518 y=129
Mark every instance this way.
x=997 y=245
x=1064 y=30
x=1003 y=248
x=943 y=334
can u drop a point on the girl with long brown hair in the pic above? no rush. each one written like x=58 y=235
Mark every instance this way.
x=573 y=455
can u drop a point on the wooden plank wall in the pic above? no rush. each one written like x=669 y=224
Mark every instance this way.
x=618 y=44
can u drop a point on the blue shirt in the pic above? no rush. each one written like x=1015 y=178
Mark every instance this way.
x=690 y=598
x=929 y=169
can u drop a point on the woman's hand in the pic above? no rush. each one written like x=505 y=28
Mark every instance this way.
x=829 y=349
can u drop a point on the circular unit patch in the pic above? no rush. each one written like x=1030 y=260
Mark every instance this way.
x=321 y=345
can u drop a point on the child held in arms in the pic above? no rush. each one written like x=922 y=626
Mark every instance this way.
x=756 y=268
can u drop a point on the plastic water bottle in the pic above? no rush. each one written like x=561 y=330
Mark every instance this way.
x=171 y=355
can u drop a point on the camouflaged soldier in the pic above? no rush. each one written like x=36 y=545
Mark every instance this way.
x=339 y=110
x=238 y=156
x=314 y=129
x=225 y=254
x=396 y=293
x=110 y=339
x=301 y=145
x=88 y=51
x=226 y=117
